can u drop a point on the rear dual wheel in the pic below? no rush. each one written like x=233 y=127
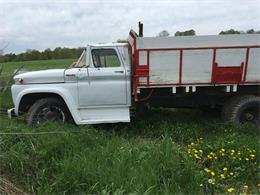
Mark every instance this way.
x=244 y=109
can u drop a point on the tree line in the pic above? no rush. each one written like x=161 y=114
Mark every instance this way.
x=192 y=32
x=47 y=54
x=66 y=53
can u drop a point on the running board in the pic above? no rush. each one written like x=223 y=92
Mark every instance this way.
x=104 y=115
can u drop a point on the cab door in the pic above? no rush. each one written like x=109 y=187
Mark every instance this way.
x=103 y=83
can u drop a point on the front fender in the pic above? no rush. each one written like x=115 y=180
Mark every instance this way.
x=68 y=94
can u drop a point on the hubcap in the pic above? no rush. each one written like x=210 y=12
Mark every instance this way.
x=50 y=113
x=250 y=115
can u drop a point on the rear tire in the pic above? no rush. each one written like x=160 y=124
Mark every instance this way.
x=242 y=109
x=48 y=109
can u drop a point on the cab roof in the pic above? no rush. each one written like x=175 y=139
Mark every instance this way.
x=108 y=45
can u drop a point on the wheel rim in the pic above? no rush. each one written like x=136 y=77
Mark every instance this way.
x=50 y=113
x=250 y=115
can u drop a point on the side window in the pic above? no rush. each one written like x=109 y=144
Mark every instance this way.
x=105 y=58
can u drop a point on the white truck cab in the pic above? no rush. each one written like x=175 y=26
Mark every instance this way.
x=95 y=89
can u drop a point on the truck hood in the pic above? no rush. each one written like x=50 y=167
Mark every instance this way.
x=42 y=76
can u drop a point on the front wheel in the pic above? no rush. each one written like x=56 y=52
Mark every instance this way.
x=48 y=109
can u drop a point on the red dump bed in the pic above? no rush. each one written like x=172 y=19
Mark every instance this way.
x=192 y=61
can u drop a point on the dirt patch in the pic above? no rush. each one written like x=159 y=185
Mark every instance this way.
x=8 y=188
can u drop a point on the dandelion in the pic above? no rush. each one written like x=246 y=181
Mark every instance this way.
x=197 y=156
x=230 y=190
x=206 y=170
x=225 y=169
x=222 y=150
x=212 y=173
x=210 y=157
x=252 y=156
x=201 y=151
x=247 y=159
x=231 y=173
x=192 y=144
x=222 y=176
x=211 y=181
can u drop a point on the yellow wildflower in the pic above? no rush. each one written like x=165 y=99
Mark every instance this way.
x=197 y=156
x=230 y=190
x=225 y=169
x=222 y=176
x=233 y=151
x=258 y=185
x=201 y=151
x=212 y=173
x=246 y=186
x=222 y=150
x=252 y=155
x=209 y=156
x=206 y=170
x=247 y=159
x=231 y=173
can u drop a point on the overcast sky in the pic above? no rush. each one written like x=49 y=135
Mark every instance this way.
x=45 y=24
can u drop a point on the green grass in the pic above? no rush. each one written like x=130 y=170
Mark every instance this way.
x=9 y=67
x=164 y=152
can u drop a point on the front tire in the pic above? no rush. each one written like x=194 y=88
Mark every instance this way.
x=48 y=109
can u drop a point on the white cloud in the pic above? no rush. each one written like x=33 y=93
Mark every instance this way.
x=47 y=24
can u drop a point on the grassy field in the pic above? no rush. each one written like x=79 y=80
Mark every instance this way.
x=163 y=152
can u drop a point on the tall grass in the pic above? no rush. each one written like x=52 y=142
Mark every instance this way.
x=142 y=157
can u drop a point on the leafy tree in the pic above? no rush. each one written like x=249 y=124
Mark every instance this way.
x=163 y=33
x=190 y=32
x=230 y=31
x=252 y=31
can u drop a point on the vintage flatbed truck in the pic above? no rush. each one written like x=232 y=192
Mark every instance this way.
x=218 y=72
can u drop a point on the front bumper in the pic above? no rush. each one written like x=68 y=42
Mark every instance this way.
x=11 y=113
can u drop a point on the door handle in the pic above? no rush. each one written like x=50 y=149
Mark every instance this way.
x=118 y=71
x=70 y=75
